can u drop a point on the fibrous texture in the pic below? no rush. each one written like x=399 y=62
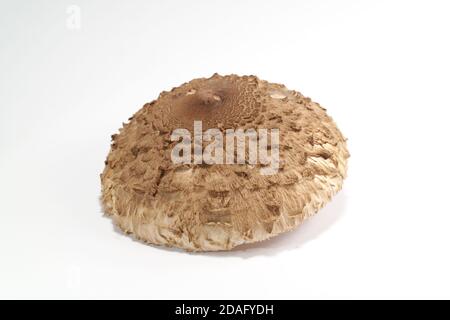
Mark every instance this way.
x=201 y=207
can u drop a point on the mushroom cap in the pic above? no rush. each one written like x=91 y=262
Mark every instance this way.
x=201 y=207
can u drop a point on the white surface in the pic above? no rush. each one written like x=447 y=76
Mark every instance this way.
x=381 y=68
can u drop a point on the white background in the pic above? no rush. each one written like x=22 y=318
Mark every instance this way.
x=381 y=68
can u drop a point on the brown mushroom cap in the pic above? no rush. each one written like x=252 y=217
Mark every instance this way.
x=201 y=207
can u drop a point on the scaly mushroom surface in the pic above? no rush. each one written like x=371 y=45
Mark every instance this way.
x=201 y=207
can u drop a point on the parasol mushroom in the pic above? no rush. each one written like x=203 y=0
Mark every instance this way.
x=214 y=206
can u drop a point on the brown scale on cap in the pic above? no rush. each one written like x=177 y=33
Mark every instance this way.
x=217 y=100
x=201 y=207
